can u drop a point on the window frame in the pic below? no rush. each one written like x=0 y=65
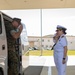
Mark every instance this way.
x=1 y=23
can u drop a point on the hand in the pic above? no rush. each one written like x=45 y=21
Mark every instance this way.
x=20 y=27
x=56 y=37
x=63 y=61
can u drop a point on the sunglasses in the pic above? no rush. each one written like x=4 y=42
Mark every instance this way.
x=58 y=30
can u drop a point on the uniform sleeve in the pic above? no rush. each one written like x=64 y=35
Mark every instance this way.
x=63 y=41
x=12 y=31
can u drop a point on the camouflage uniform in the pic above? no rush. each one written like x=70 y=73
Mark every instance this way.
x=12 y=55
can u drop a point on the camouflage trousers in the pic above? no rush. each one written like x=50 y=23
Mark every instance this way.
x=13 y=63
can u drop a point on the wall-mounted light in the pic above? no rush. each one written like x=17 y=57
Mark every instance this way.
x=61 y=0
x=25 y=1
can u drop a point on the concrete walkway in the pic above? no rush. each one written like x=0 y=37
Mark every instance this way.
x=40 y=70
x=44 y=65
x=69 y=71
x=33 y=70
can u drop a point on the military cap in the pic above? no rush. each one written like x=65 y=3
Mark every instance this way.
x=61 y=27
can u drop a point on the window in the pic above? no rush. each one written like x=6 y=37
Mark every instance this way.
x=48 y=40
x=38 y=40
x=42 y=40
x=42 y=45
x=0 y=25
x=71 y=42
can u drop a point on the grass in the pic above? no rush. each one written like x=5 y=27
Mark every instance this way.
x=47 y=52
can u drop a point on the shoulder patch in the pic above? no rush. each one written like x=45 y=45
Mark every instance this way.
x=62 y=36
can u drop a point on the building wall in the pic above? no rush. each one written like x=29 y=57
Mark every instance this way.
x=71 y=42
x=47 y=42
x=31 y=43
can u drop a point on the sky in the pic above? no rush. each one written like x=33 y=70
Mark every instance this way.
x=48 y=21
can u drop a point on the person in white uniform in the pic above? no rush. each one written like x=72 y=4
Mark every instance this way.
x=60 y=50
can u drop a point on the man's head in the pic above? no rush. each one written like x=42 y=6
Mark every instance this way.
x=16 y=22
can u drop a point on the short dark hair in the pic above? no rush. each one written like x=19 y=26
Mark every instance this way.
x=64 y=31
x=17 y=20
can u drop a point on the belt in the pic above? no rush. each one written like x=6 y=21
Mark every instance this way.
x=58 y=51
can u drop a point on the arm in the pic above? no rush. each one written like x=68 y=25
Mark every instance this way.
x=65 y=52
x=64 y=44
x=65 y=55
x=17 y=34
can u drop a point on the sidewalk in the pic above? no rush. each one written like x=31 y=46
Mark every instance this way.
x=69 y=71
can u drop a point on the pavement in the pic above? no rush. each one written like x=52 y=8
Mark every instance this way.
x=69 y=71
x=44 y=65
x=33 y=70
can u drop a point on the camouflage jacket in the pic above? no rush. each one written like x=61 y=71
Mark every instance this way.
x=10 y=39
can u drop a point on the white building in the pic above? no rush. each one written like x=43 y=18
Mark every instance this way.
x=46 y=42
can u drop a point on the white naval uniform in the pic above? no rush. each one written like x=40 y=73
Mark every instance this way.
x=59 y=54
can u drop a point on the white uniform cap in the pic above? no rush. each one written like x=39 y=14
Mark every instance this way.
x=61 y=27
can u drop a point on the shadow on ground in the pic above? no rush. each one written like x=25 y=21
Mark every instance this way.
x=40 y=70
x=33 y=70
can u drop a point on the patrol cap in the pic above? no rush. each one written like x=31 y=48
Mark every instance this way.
x=61 y=27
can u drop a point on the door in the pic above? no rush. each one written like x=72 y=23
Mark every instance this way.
x=3 y=46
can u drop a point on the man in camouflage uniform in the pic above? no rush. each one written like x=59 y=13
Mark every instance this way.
x=13 y=33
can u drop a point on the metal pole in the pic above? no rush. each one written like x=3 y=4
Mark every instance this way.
x=41 y=28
